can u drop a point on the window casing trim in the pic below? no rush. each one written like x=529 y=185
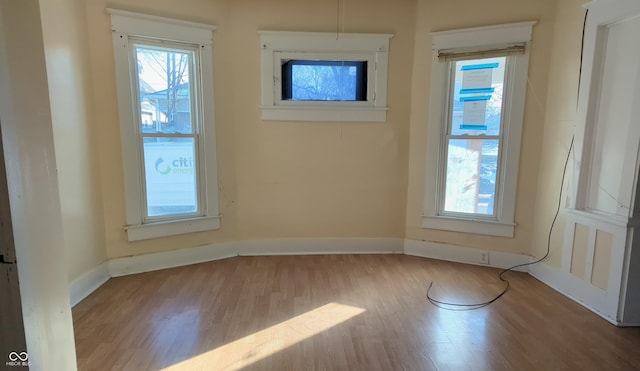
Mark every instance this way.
x=160 y=27
x=125 y=25
x=503 y=224
x=485 y=36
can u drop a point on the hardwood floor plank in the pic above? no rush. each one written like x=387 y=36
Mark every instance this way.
x=340 y=312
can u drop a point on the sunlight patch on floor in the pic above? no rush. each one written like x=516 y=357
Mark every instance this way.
x=259 y=345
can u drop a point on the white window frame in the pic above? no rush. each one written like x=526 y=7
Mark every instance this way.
x=281 y=45
x=476 y=39
x=126 y=25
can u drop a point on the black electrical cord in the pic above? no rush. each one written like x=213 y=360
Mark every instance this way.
x=472 y=306
x=584 y=27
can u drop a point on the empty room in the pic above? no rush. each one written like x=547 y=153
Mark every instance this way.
x=319 y=185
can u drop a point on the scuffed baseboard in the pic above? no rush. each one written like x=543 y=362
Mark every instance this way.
x=469 y=255
x=89 y=282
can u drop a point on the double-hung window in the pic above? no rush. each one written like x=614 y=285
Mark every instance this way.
x=476 y=112
x=165 y=101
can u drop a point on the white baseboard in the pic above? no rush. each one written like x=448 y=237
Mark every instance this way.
x=568 y=286
x=200 y=254
x=171 y=259
x=175 y=258
x=627 y=324
x=305 y=246
x=87 y=283
x=461 y=254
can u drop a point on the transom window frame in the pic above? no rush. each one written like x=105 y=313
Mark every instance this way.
x=279 y=46
x=472 y=43
x=129 y=28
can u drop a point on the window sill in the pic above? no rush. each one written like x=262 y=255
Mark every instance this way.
x=485 y=227
x=324 y=113
x=171 y=228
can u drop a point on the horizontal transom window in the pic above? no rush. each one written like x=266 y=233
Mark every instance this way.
x=309 y=76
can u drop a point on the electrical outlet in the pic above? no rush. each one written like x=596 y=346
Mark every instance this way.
x=484 y=257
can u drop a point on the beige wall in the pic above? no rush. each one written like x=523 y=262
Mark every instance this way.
x=320 y=179
x=445 y=15
x=277 y=179
x=327 y=179
x=559 y=122
x=66 y=52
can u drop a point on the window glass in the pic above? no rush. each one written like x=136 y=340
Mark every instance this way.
x=473 y=137
x=477 y=96
x=165 y=91
x=471 y=176
x=324 y=80
x=170 y=176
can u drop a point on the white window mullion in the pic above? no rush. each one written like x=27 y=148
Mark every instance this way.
x=488 y=137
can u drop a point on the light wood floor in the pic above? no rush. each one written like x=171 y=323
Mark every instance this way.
x=339 y=312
